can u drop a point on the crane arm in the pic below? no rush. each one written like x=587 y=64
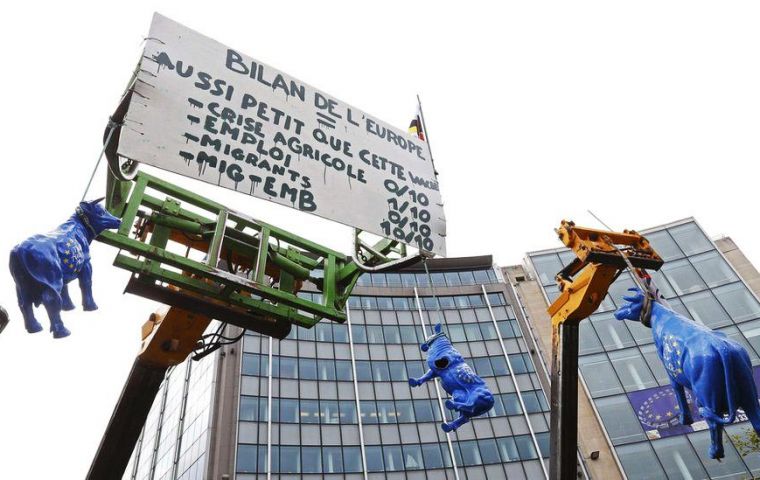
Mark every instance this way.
x=600 y=257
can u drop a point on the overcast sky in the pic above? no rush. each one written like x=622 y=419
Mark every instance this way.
x=643 y=112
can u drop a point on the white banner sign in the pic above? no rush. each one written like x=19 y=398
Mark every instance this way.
x=208 y=112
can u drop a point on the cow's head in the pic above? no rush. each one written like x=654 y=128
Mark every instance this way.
x=441 y=353
x=95 y=217
x=632 y=309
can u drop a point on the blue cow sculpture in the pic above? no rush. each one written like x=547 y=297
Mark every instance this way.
x=470 y=395
x=42 y=265
x=715 y=368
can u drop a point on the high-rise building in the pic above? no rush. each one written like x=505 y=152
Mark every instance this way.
x=333 y=402
x=624 y=387
x=340 y=402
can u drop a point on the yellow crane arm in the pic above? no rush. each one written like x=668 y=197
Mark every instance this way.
x=600 y=257
x=583 y=284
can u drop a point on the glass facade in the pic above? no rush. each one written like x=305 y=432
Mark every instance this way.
x=618 y=362
x=174 y=443
x=340 y=401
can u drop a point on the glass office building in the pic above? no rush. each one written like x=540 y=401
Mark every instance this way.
x=174 y=443
x=333 y=402
x=623 y=375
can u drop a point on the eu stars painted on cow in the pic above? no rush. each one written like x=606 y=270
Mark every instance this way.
x=469 y=394
x=43 y=265
x=715 y=368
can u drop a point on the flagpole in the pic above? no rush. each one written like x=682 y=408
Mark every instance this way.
x=426 y=132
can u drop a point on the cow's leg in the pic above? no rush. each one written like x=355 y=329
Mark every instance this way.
x=716 y=440
x=66 y=303
x=458 y=400
x=85 y=283
x=683 y=405
x=416 y=382
x=52 y=301
x=456 y=423
x=27 y=311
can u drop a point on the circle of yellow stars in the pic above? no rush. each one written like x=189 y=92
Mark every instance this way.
x=648 y=416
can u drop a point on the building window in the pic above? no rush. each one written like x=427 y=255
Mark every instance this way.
x=328 y=411
x=730 y=466
x=246 y=459
x=452 y=278
x=619 y=420
x=393 y=279
x=431 y=452
x=380 y=371
x=470 y=453
x=456 y=333
x=678 y=458
x=352 y=459
x=359 y=333
x=326 y=369
x=683 y=277
x=737 y=300
x=664 y=245
x=511 y=404
x=408 y=334
x=508 y=449
x=467 y=278
x=369 y=412
x=705 y=309
x=343 y=370
x=640 y=462
x=290 y=460
x=287 y=367
x=249 y=409
x=543 y=443
x=374 y=459
x=525 y=447
x=690 y=238
x=547 y=266
x=612 y=332
x=655 y=364
x=307 y=369
x=348 y=412
x=323 y=331
x=332 y=460
x=289 y=412
x=599 y=376
x=489 y=452
x=311 y=459
x=472 y=331
x=423 y=410
x=412 y=457
x=340 y=333
x=713 y=269
x=482 y=366
x=632 y=370
x=588 y=341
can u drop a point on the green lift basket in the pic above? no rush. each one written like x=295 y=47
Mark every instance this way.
x=187 y=251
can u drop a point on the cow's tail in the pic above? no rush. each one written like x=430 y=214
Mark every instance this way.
x=730 y=370
x=711 y=416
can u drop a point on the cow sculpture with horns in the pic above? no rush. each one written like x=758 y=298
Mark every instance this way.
x=470 y=395
x=43 y=265
x=715 y=368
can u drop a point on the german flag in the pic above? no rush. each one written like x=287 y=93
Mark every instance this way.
x=415 y=127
